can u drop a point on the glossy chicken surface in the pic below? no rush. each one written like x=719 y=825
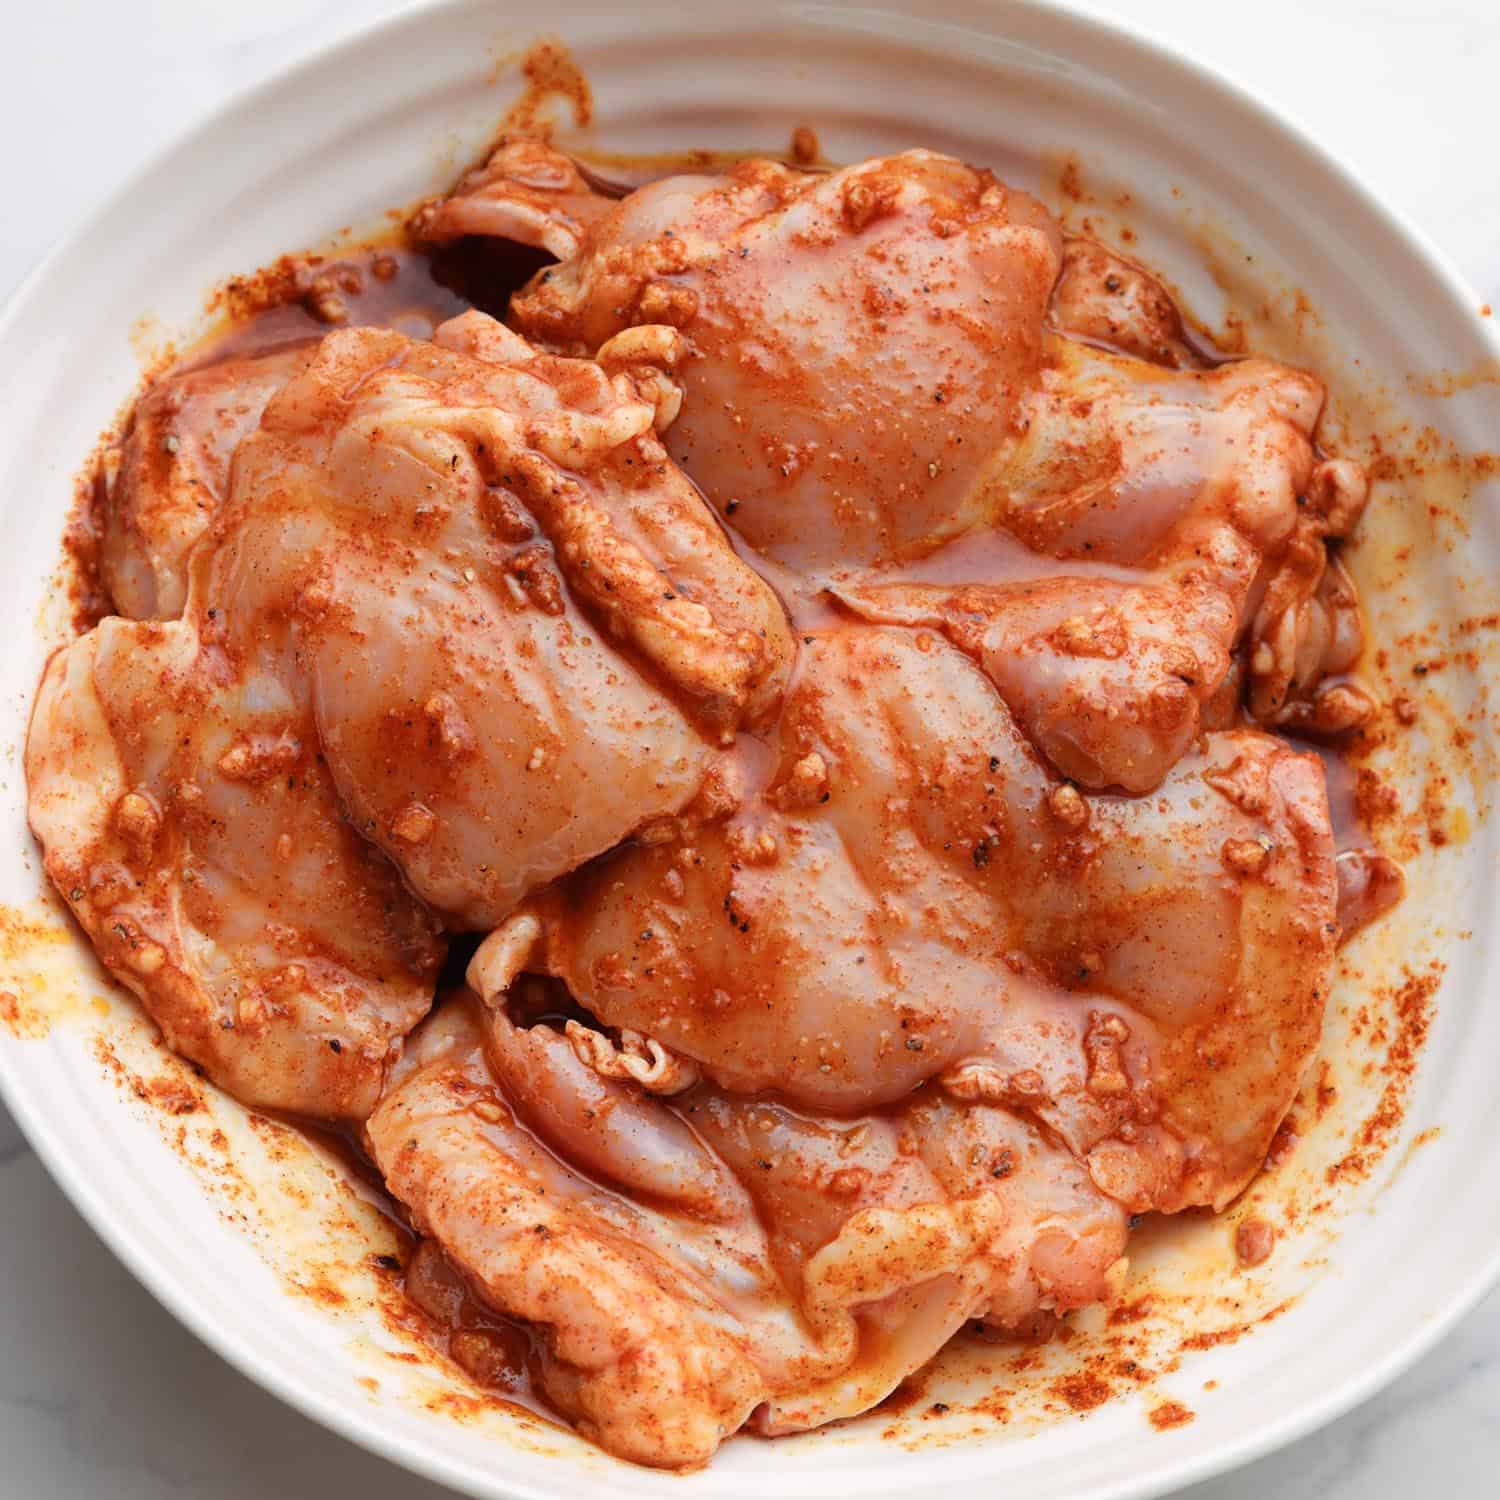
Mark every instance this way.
x=828 y=644
x=378 y=648
x=869 y=374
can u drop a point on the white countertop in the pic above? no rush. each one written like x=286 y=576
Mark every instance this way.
x=101 y=1392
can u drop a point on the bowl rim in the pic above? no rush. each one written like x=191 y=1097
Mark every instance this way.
x=1100 y=24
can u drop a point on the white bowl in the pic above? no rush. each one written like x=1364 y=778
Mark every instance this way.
x=257 y=1242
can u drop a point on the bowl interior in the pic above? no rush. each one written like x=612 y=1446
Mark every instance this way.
x=263 y=1245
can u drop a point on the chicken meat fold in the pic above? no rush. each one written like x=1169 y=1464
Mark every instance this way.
x=171 y=473
x=694 y=1264
x=895 y=889
x=521 y=628
x=867 y=376
x=854 y=341
x=1103 y=298
x=1109 y=680
x=187 y=817
x=525 y=192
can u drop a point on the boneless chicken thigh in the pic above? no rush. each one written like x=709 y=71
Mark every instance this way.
x=694 y=1263
x=856 y=342
x=378 y=649
x=520 y=630
x=188 y=819
x=897 y=889
x=1186 y=512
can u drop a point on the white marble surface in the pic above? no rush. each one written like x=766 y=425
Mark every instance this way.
x=101 y=1393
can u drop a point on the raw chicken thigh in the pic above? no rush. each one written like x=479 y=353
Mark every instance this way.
x=1202 y=485
x=520 y=628
x=857 y=342
x=896 y=889
x=188 y=819
x=696 y=1262
x=827 y=642
x=1209 y=479
x=379 y=646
